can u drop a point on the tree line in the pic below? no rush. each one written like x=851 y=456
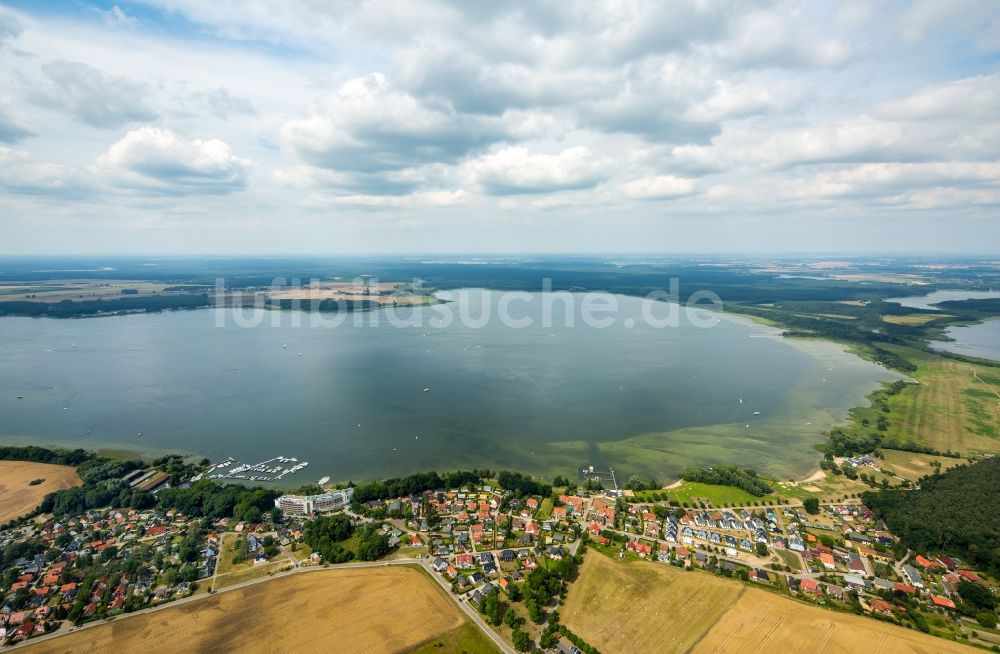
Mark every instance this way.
x=76 y=308
x=415 y=484
x=743 y=478
x=521 y=485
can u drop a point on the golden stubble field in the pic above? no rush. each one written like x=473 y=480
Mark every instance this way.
x=18 y=497
x=369 y=610
x=764 y=622
x=643 y=607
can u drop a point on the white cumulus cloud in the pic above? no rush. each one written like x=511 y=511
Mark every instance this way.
x=515 y=170
x=658 y=187
x=158 y=161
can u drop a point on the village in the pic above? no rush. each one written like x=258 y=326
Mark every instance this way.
x=479 y=541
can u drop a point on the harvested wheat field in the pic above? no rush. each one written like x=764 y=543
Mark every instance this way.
x=765 y=622
x=370 y=610
x=18 y=497
x=639 y=606
x=643 y=607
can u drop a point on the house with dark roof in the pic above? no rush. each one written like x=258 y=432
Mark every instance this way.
x=913 y=575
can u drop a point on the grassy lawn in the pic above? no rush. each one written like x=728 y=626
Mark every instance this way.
x=691 y=492
x=467 y=639
x=545 y=509
x=302 y=552
x=253 y=572
x=408 y=553
x=227 y=552
x=789 y=559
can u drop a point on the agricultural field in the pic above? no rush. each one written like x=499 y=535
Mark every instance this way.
x=18 y=496
x=763 y=621
x=385 y=293
x=372 y=610
x=915 y=318
x=913 y=466
x=78 y=289
x=640 y=606
x=950 y=409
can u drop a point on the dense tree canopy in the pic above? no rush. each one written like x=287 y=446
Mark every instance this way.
x=521 y=485
x=211 y=500
x=957 y=512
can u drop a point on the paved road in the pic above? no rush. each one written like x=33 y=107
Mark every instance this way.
x=469 y=611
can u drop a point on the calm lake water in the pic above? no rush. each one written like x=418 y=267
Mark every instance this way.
x=982 y=340
x=539 y=399
x=928 y=302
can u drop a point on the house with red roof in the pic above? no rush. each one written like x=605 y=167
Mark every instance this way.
x=642 y=549
x=24 y=630
x=943 y=602
x=969 y=575
x=881 y=606
x=810 y=586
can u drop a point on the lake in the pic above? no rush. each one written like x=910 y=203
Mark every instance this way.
x=928 y=302
x=372 y=400
x=981 y=340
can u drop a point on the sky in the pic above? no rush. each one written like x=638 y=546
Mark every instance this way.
x=325 y=127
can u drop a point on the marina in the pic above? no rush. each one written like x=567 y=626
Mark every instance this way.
x=270 y=470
